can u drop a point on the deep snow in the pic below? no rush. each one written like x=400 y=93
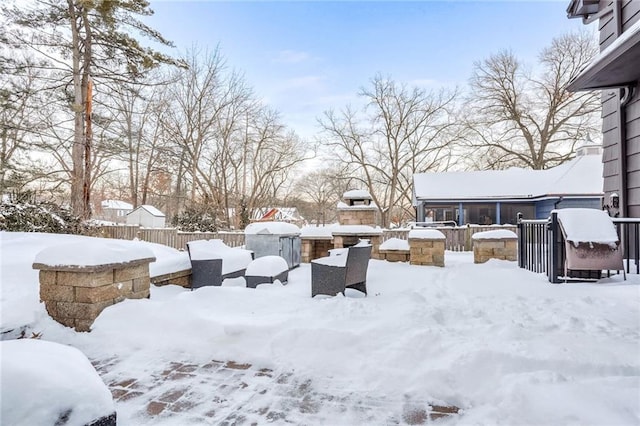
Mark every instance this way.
x=497 y=341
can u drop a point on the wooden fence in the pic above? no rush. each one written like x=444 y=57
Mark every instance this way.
x=167 y=236
x=458 y=238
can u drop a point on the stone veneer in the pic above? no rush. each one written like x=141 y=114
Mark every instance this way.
x=395 y=250
x=315 y=248
x=75 y=295
x=499 y=244
x=426 y=247
x=395 y=255
x=357 y=215
x=375 y=240
x=181 y=278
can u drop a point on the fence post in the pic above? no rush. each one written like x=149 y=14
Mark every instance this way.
x=521 y=243
x=555 y=242
x=467 y=238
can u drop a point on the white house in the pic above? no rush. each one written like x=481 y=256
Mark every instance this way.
x=147 y=217
x=114 y=210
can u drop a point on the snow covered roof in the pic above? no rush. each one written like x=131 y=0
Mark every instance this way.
x=151 y=210
x=277 y=213
x=116 y=205
x=581 y=176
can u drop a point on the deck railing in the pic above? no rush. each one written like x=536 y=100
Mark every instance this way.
x=541 y=248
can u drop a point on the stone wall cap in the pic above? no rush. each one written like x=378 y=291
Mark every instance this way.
x=344 y=206
x=498 y=234
x=356 y=230
x=93 y=268
x=94 y=253
x=426 y=234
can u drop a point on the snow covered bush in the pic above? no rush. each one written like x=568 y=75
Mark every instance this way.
x=199 y=217
x=38 y=217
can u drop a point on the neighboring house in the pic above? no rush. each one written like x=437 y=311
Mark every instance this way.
x=616 y=71
x=114 y=211
x=497 y=196
x=147 y=217
x=278 y=214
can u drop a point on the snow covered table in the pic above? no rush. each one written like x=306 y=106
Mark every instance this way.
x=265 y=270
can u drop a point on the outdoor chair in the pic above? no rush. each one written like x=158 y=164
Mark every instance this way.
x=212 y=261
x=333 y=274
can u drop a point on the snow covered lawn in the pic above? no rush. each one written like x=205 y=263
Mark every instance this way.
x=499 y=342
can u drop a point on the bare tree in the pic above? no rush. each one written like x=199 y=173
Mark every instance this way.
x=401 y=131
x=86 y=42
x=234 y=151
x=323 y=188
x=517 y=117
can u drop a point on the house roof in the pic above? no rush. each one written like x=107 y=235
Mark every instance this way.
x=116 y=204
x=615 y=66
x=277 y=213
x=581 y=176
x=151 y=210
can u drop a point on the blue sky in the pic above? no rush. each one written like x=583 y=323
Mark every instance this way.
x=305 y=57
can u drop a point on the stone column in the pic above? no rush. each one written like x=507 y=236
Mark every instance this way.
x=426 y=247
x=499 y=244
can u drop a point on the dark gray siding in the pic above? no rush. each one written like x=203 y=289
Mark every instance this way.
x=610 y=25
x=544 y=207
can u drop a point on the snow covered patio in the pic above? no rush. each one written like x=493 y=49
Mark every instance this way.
x=499 y=342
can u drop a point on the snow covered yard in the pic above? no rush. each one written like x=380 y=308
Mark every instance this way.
x=499 y=342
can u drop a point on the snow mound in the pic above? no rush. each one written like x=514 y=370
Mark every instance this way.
x=267 y=266
x=41 y=381
x=494 y=235
x=587 y=226
x=395 y=244
x=92 y=253
x=426 y=234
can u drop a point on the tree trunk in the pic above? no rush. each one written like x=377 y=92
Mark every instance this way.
x=77 y=151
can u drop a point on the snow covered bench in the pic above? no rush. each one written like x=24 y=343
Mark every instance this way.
x=212 y=261
x=346 y=269
x=265 y=270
